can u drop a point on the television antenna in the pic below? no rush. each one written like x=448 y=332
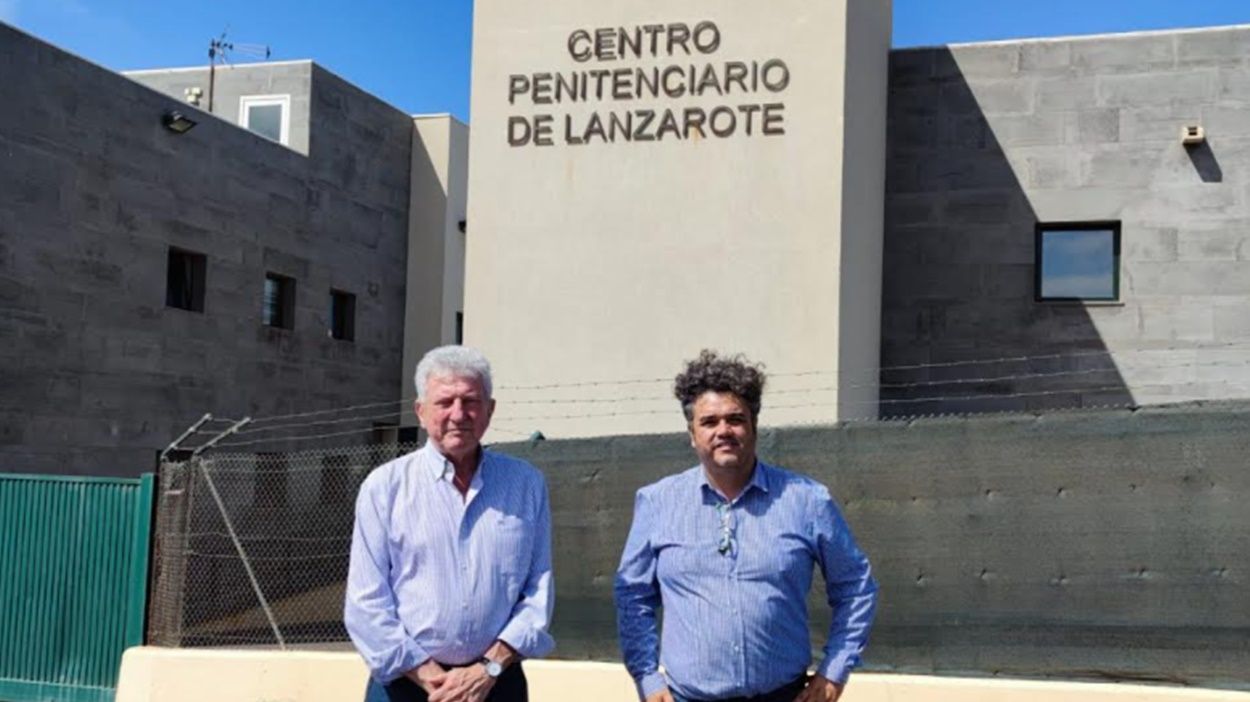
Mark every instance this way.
x=220 y=50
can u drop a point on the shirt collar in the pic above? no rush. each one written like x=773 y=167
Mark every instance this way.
x=759 y=479
x=435 y=465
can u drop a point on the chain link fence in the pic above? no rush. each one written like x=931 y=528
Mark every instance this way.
x=252 y=548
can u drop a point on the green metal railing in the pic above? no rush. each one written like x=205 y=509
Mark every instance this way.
x=73 y=583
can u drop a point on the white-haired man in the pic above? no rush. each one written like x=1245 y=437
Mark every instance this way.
x=450 y=581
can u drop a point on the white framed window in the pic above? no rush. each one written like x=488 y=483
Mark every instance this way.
x=266 y=115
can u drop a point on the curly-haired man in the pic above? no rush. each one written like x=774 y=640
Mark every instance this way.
x=727 y=548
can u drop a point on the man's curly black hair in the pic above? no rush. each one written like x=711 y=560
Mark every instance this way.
x=711 y=372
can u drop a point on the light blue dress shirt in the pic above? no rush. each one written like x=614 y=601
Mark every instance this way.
x=733 y=579
x=437 y=575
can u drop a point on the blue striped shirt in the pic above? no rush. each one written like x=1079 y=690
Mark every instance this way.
x=733 y=579
x=436 y=575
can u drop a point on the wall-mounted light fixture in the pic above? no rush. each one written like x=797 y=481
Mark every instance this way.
x=177 y=122
x=1193 y=135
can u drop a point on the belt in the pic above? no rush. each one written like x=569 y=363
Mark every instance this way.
x=785 y=693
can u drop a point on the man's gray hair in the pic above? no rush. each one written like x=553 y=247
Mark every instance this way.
x=456 y=362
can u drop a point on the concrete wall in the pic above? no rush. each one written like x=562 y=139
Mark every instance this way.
x=1090 y=544
x=600 y=261
x=153 y=674
x=234 y=81
x=98 y=374
x=1073 y=545
x=985 y=140
x=863 y=207
x=436 y=244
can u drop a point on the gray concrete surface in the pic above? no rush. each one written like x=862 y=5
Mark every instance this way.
x=1092 y=544
x=985 y=140
x=1087 y=544
x=97 y=373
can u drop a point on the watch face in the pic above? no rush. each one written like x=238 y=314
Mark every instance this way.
x=493 y=668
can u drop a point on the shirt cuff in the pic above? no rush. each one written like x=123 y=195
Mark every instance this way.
x=650 y=684
x=837 y=667
x=528 y=642
x=399 y=660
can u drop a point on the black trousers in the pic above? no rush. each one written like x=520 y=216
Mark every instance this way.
x=785 y=693
x=510 y=687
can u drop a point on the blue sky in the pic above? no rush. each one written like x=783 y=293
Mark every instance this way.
x=415 y=53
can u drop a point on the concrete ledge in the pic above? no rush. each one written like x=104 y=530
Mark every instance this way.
x=213 y=675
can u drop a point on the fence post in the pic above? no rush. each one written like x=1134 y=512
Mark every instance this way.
x=169 y=577
x=238 y=547
x=141 y=549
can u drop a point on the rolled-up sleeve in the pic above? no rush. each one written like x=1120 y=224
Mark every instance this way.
x=637 y=599
x=849 y=587
x=527 y=629
x=369 y=609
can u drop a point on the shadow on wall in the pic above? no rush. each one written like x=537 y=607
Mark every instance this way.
x=1205 y=163
x=962 y=330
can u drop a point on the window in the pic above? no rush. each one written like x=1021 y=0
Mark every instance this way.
x=1078 y=261
x=267 y=115
x=184 y=280
x=342 y=315
x=278 y=309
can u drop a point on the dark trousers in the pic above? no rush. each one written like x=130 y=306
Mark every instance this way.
x=785 y=693
x=510 y=687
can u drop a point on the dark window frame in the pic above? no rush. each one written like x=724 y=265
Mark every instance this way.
x=1042 y=228
x=285 y=312
x=342 y=326
x=186 y=294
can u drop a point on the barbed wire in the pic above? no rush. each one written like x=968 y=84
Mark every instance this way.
x=280 y=427
x=794 y=406
x=785 y=391
x=311 y=437
x=907 y=367
x=336 y=410
x=331 y=435
x=799 y=374
x=832 y=388
x=894 y=387
x=911 y=400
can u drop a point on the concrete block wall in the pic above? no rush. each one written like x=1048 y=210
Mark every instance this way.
x=97 y=373
x=1106 y=544
x=1100 y=544
x=985 y=140
x=232 y=82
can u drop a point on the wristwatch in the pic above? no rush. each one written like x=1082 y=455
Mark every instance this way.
x=493 y=668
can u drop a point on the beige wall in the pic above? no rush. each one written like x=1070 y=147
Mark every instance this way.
x=191 y=675
x=617 y=261
x=435 y=291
